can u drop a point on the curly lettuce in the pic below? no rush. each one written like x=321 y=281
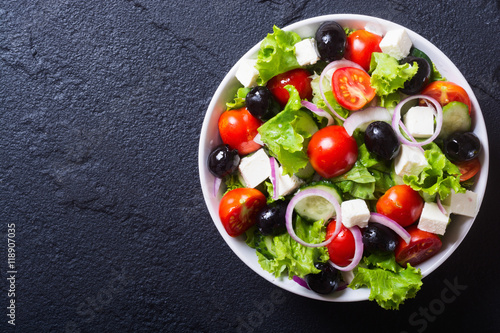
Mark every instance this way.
x=387 y=75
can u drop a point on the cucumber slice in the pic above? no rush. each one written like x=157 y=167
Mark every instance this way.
x=456 y=118
x=305 y=173
x=317 y=208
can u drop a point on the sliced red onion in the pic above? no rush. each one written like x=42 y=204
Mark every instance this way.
x=396 y=119
x=358 y=252
x=366 y=116
x=391 y=224
x=309 y=193
x=440 y=206
x=405 y=130
x=333 y=66
x=217 y=183
x=300 y=281
x=274 y=177
x=322 y=113
x=257 y=139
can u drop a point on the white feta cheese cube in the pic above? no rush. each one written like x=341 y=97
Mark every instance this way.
x=462 y=203
x=306 y=52
x=247 y=74
x=410 y=161
x=287 y=184
x=355 y=212
x=396 y=43
x=255 y=168
x=419 y=120
x=432 y=219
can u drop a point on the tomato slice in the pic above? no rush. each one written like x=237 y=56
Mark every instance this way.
x=445 y=92
x=342 y=247
x=422 y=246
x=238 y=209
x=468 y=169
x=351 y=87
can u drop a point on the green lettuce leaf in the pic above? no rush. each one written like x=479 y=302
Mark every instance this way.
x=439 y=177
x=330 y=98
x=387 y=75
x=286 y=133
x=232 y=182
x=277 y=54
x=239 y=99
x=281 y=253
x=390 y=284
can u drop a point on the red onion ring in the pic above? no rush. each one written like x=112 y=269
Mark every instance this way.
x=322 y=113
x=358 y=118
x=391 y=224
x=396 y=119
x=334 y=65
x=358 y=252
x=440 y=206
x=300 y=281
x=309 y=193
x=274 y=177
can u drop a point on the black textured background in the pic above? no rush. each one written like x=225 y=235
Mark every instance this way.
x=101 y=105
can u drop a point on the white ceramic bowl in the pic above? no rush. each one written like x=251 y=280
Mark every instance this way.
x=209 y=139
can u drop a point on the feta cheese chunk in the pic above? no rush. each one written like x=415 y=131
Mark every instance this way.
x=462 y=203
x=419 y=120
x=247 y=74
x=432 y=219
x=255 y=168
x=287 y=184
x=396 y=43
x=355 y=212
x=410 y=161
x=306 y=52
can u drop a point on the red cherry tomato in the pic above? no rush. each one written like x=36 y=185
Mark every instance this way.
x=359 y=47
x=402 y=204
x=299 y=78
x=422 y=246
x=238 y=128
x=238 y=209
x=341 y=249
x=332 y=151
x=351 y=87
x=468 y=169
x=445 y=92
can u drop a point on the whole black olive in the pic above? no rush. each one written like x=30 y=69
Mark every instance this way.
x=420 y=79
x=271 y=219
x=377 y=237
x=223 y=160
x=326 y=281
x=460 y=147
x=261 y=103
x=331 y=39
x=381 y=140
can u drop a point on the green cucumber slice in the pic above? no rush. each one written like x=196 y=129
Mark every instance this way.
x=317 y=208
x=456 y=118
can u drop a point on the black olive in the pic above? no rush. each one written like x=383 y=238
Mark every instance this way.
x=326 y=281
x=331 y=39
x=261 y=103
x=420 y=79
x=223 y=160
x=381 y=140
x=271 y=219
x=379 y=238
x=460 y=147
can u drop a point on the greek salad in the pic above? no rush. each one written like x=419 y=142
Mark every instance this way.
x=344 y=157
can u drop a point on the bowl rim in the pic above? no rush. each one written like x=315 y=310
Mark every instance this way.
x=304 y=28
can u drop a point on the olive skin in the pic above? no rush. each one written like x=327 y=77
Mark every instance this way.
x=325 y=282
x=331 y=40
x=379 y=238
x=223 y=161
x=271 y=219
x=420 y=79
x=261 y=103
x=381 y=140
x=461 y=147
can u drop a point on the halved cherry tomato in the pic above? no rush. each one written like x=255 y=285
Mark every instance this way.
x=359 y=47
x=299 y=78
x=238 y=209
x=238 y=128
x=351 y=87
x=342 y=247
x=332 y=151
x=422 y=246
x=445 y=92
x=468 y=169
x=402 y=204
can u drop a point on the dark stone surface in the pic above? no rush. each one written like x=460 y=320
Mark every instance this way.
x=101 y=105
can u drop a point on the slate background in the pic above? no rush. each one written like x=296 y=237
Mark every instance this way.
x=101 y=105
